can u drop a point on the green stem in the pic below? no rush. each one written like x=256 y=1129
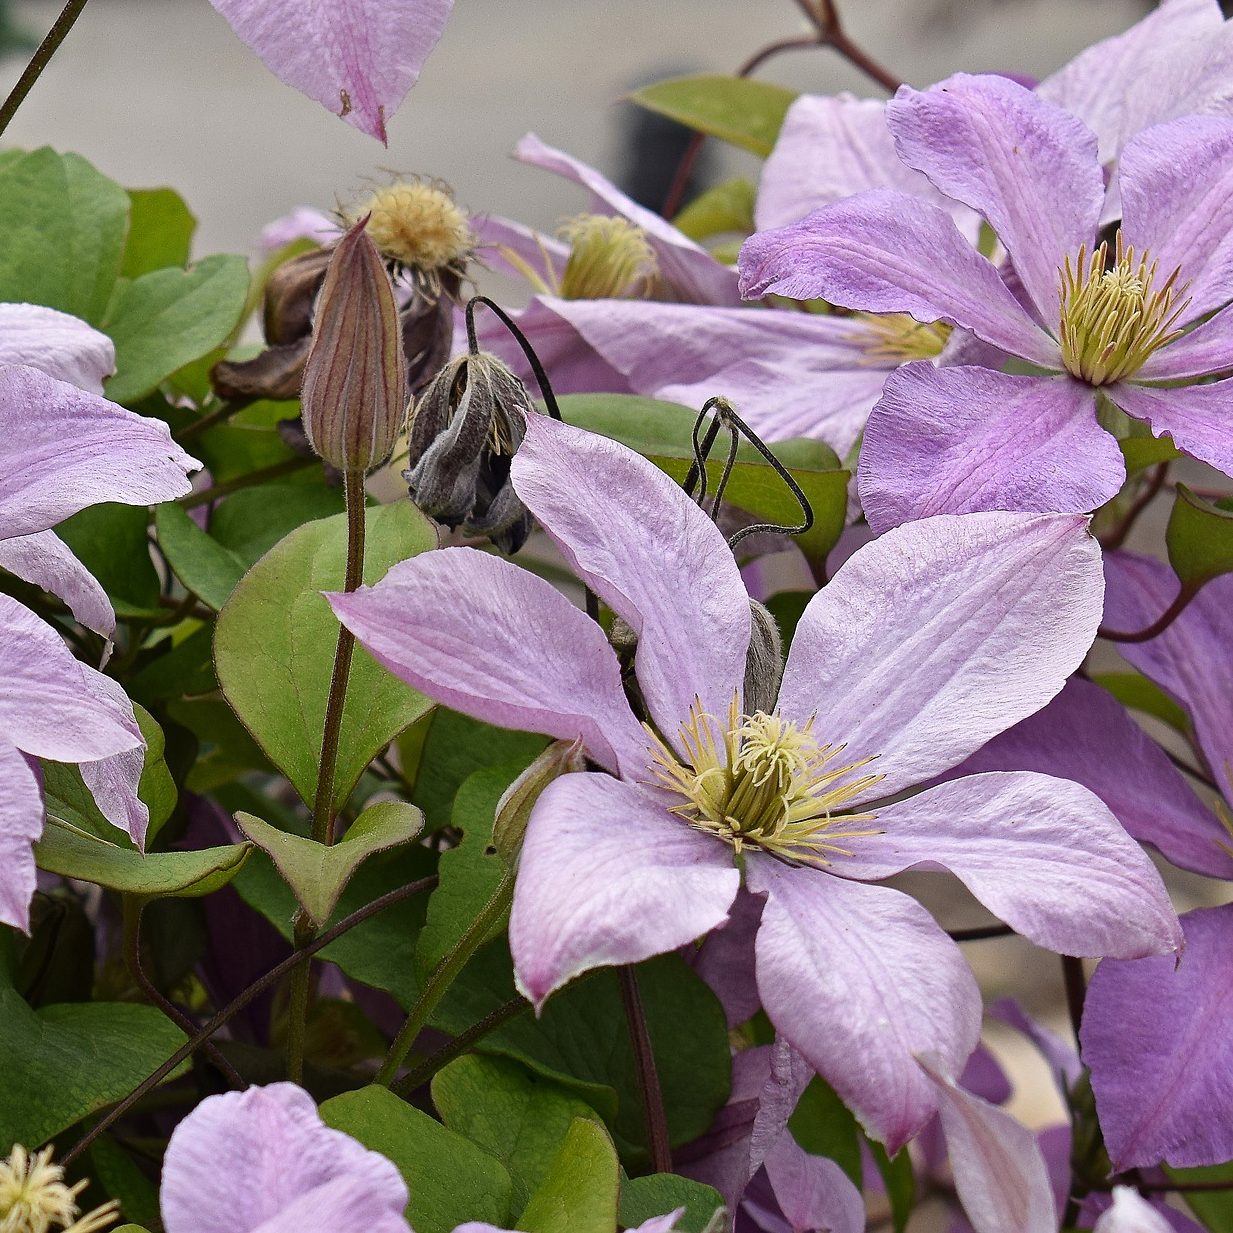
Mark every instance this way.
x=443 y=975
x=289 y=466
x=39 y=61
x=220 y=414
x=233 y=1008
x=323 y=802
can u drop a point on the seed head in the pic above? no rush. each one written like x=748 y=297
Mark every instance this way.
x=34 y=1198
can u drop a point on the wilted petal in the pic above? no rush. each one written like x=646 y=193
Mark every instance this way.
x=1131 y=1213
x=887 y=252
x=831 y=147
x=941 y=634
x=608 y=876
x=1156 y=1038
x=21 y=823
x=1197 y=417
x=113 y=781
x=1176 y=61
x=648 y=552
x=47 y=705
x=1177 y=205
x=114 y=455
x=813 y=1192
x=47 y=561
x=257 y=1161
x=1086 y=735
x=1191 y=658
x=496 y=642
x=957 y=440
x=693 y=275
x=1025 y=164
x=786 y=1082
x=57 y=344
x=998 y=1169
x=860 y=978
x=357 y=58
x=1043 y=854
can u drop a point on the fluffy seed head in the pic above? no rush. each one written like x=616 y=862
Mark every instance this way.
x=34 y=1198
x=418 y=226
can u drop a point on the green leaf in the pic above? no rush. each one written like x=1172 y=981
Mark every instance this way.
x=520 y=1118
x=274 y=645
x=579 y=1193
x=657 y=1194
x=1213 y=1207
x=900 y=1182
x=1199 y=539
x=1143 y=452
x=470 y=872
x=180 y=663
x=63 y=1063
x=157 y=789
x=160 y=232
x=116 y=1171
x=662 y=432
x=726 y=207
x=227 y=750
x=243 y=528
x=63 y=233
x=450 y=1180
x=824 y=1126
x=113 y=543
x=167 y=318
x=1134 y=690
x=116 y=864
x=248 y=441
x=318 y=873
x=745 y=112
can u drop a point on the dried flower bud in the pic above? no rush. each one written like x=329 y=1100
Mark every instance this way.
x=354 y=398
x=763 y=661
x=290 y=291
x=465 y=428
x=514 y=807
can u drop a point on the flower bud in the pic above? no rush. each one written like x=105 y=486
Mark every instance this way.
x=514 y=808
x=354 y=398
x=763 y=661
x=465 y=428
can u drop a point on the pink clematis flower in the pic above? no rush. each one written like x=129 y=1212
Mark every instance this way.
x=792 y=374
x=924 y=645
x=357 y=58
x=1109 y=321
x=52 y=706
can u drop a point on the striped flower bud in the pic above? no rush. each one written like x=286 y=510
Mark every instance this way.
x=354 y=397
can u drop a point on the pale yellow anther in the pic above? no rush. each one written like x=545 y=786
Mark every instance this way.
x=34 y=1198
x=896 y=338
x=609 y=259
x=1112 y=317
x=417 y=225
x=763 y=782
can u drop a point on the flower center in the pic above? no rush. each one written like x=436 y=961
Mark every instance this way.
x=1112 y=318
x=609 y=259
x=34 y=1198
x=417 y=225
x=898 y=339
x=764 y=782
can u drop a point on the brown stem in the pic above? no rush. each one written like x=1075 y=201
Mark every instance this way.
x=981 y=932
x=134 y=909
x=287 y=467
x=1193 y=771
x=1117 y=537
x=1158 y=626
x=218 y=416
x=648 y=1076
x=238 y=1003
x=39 y=61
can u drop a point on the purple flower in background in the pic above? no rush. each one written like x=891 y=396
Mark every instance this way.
x=924 y=645
x=357 y=58
x=262 y=1161
x=51 y=706
x=1111 y=321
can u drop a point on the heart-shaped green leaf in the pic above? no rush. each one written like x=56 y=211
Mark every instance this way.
x=745 y=112
x=1199 y=539
x=581 y=1189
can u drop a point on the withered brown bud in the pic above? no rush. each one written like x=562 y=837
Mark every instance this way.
x=763 y=661
x=290 y=292
x=354 y=398
x=465 y=428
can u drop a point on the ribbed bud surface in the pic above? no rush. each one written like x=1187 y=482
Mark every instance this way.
x=355 y=383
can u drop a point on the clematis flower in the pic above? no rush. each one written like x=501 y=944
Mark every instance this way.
x=597 y=330
x=357 y=59
x=51 y=706
x=1107 y=322
x=924 y=645
x=262 y=1161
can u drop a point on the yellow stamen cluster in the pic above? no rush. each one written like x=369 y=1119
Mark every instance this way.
x=764 y=783
x=609 y=259
x=1111 y=318
x=34 y=1198
x=417 y=225
x=898 y=339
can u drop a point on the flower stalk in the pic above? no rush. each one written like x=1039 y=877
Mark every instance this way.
x=39 y=61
